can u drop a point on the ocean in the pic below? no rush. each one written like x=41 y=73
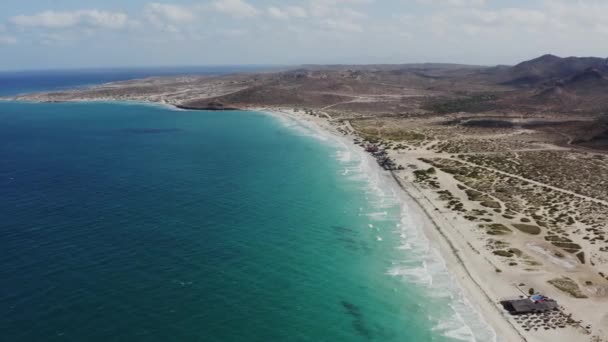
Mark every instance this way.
x=132 y=222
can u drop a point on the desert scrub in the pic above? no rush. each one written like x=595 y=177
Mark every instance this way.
x=568 y=286
x=385 y=130
x=581 y=257
x=528 y=228
x=475 y=195
x=475 y=103
x=563 y=242
x=496 y=229
x=491 y=204
x=515 y=251
x=502 y=253
x=423 y=175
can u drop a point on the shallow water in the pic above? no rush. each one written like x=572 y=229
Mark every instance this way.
x=139 y=223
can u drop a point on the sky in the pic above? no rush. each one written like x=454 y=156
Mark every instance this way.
x=55 y=34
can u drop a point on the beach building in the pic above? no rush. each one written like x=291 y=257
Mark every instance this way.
x=372 y=148
x=533 y=304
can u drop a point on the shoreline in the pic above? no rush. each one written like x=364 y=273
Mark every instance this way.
x=459 y=269
x=480 y=280
x=472 y=291
x=476 y=296
x=484 y=280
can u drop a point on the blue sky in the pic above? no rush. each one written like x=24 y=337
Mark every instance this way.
x=45 y=34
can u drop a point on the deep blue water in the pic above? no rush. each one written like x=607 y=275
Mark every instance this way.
x=123 y=222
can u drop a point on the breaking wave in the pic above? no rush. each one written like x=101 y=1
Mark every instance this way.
x=418 y=263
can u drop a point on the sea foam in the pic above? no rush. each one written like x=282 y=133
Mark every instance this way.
x=419 y=263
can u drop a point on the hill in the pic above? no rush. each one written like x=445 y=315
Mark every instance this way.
x=545 y=69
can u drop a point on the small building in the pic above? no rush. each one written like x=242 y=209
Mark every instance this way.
x=534 y=304
x=372 y=148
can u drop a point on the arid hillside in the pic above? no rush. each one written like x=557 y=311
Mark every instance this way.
x=573 y=89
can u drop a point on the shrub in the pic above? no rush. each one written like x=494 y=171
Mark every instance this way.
x=568 y=286
x=491 y=204
x=528 y=229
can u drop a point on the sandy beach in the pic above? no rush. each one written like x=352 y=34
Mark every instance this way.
x=482 y=280
x=431 y=225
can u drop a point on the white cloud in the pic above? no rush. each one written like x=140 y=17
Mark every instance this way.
x=325 y=8
x=48 y=19
x=232 y=32
x=62 y=38
x=582 y=16
x=338 y=2
x=277 y=13
x=297 y=12
x=169 y=13
x=545 y=20
x=168 y=17
x=336 y=15
x=235 y=8
x=287 y=12
x=448 y=30
x=458 y=3
x=351 y=14
x=56 y=19
x=341 y=25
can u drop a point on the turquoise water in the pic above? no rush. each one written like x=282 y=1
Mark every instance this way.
x=141 y=223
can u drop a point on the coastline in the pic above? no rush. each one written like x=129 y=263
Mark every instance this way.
x=455 y=259
x=457 y=265
x=482 y=283
x=433 y=231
